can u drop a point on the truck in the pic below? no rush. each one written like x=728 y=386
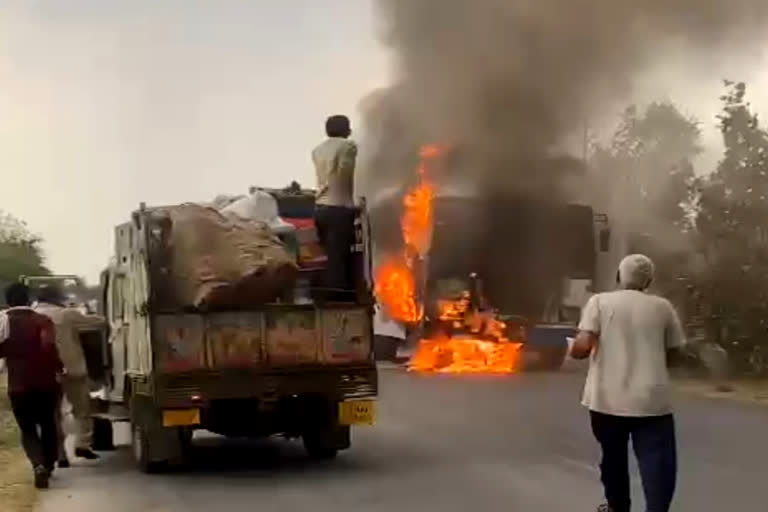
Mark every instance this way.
x=533 y=263
x=296 y=369
x=73 y=287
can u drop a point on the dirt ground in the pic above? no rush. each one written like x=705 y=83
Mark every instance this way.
x=16 y=491
x=740 y=390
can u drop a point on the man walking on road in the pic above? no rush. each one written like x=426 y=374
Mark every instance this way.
x=28 y=346
x=630 y=336
x=69 y=323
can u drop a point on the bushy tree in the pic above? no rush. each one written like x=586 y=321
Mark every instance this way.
x=20 y=252
x=658 y=148
x=732 y=232
x=644 y=177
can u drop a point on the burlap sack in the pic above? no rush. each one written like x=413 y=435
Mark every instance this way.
x=224 y=263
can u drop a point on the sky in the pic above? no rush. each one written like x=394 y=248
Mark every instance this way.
x=106 y=104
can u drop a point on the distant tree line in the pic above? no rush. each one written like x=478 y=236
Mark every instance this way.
x=707 y=230
x=20 y=251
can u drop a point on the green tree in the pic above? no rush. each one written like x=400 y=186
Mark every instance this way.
x=20 y=252
x=649 y=165
x=644 y=180
x=731 y=231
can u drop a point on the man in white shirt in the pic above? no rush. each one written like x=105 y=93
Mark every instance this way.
x=334 y=161
x=630 y=337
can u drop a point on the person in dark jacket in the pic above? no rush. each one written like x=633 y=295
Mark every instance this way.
x=28 y=345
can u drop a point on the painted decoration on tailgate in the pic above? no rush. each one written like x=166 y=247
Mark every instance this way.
x=180 y=344
x=291 y=337
x=346 y=335
x=234 y=339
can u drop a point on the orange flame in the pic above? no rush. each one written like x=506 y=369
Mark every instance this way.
x=485 y=347
x=396 y=291
x=395 y=286
x=466 y=355
x=416 y=222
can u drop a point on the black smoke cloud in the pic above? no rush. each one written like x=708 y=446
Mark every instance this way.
x=509 y=84
x=511 y=81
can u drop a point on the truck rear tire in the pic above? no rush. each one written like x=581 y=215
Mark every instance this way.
x=103 y=436
x=324 y=443
x=154 y=448
x=320 y=445
x=141 y=446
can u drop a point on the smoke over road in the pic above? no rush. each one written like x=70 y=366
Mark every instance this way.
x=512 y=81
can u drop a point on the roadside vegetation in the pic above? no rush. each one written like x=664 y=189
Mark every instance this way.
x=748 y=391
x=20 y=254
x=17 y=494
x=704 y=227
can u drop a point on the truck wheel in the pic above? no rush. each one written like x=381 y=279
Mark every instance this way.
x=103 y=437
x=141 y=446
x=320 y=444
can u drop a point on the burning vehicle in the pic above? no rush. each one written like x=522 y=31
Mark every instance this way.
x=486 y=282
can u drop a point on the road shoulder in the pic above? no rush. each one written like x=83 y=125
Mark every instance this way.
x=737 y=390
x=16 y=491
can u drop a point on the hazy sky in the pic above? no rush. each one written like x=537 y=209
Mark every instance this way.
x=107 y=103
x=104 y=104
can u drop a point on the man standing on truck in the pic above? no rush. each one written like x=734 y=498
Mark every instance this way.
x=69 y=323
x=630 y=337
x=334 y=162
x=28 y=346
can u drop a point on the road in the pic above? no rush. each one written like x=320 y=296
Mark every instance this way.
x=442 y=443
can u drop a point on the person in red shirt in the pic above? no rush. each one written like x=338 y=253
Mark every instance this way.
x=28 y=345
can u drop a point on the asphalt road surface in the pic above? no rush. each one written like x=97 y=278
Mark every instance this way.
x=442 y=443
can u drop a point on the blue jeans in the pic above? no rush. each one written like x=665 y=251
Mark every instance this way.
x=653 y=439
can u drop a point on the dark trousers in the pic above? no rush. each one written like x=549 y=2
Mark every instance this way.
x=35 y=413
x=653 y=439
x=336 y=231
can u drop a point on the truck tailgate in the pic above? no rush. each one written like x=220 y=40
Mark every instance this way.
x=275 y=337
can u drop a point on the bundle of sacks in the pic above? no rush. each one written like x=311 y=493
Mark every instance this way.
x=228 y=258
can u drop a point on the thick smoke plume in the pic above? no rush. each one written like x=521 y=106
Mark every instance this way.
x=509 y=85
x=511 y=82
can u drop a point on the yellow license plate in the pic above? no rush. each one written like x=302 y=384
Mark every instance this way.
x=181 y=417
x=357 y=412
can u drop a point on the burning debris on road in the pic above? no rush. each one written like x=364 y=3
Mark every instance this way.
x=468 y=340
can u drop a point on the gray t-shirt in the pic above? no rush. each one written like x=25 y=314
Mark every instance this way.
x=628 y=370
